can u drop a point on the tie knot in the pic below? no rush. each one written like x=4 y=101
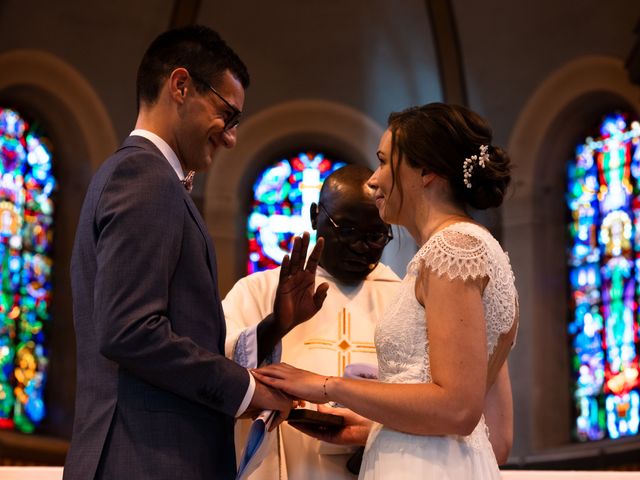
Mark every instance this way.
x=188 y=180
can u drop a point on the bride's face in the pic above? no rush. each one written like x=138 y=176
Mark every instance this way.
x=393 y=205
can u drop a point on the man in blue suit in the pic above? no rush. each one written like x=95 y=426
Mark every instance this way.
x=156 y=397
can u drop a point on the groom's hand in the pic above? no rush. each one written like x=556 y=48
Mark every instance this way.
x=269 y=398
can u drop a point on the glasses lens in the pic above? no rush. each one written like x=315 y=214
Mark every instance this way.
x=349 y=234
x=233 y=121
x=376 y=237
x=352 y=235
x=379 y=239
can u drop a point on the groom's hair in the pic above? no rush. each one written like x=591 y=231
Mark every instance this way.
x=197 y=48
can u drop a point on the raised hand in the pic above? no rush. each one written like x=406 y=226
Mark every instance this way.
x=297 y=299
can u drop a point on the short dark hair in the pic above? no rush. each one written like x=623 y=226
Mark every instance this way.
x=197 y=48
x=438 y=137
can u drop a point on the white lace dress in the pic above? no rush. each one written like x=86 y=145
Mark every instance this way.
x=461 y=250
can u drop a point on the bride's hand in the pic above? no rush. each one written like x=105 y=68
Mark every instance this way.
x=354 y=432
x=295 y=382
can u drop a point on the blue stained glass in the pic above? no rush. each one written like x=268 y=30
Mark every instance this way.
x=603 y=197
x=26 y=233
x=282 y=196
x=622 y=414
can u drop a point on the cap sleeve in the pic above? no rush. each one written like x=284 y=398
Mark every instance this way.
x=453 y=253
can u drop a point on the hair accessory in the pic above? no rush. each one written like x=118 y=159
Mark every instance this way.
x=467 y=166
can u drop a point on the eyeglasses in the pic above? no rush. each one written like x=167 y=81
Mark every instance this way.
x=351 y=235
x=232 y=120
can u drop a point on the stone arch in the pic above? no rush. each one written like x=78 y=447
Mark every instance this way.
x=555 y=118
x=342 y=130
x=44 y=87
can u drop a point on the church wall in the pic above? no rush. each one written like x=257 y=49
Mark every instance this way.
x=49 y=91
x=371 y=56
x=560 y=113
x=104 y=41
x=510 y=48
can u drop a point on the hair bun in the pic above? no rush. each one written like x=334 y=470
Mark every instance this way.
x=454 y=143
x=489 y=184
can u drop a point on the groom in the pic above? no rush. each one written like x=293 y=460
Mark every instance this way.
x=156 y=397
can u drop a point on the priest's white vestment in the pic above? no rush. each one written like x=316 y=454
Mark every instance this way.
x=341 y=333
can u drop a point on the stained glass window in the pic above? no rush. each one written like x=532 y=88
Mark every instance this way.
x=26 y=232
x=282 y=196
x=604 y=277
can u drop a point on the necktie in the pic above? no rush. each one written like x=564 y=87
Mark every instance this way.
x=188 y=181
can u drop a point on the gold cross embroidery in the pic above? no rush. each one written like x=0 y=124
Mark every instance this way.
x=343 y=345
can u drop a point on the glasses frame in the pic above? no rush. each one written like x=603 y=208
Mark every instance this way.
x=363 y=238
x=234 y=120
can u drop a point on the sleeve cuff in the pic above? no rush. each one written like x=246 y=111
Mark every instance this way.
x=247 y=396
x=245 y=352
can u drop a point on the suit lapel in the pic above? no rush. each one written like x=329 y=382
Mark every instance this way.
x=195 y=214
x=141 y=142
x=211 y=263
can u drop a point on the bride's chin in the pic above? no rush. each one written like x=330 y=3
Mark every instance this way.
x=384 y=215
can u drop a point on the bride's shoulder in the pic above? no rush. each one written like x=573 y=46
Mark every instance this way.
x=459 y=238
x=459 y=249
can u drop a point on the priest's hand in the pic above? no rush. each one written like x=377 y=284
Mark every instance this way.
x=354 y=432
x=297 y=299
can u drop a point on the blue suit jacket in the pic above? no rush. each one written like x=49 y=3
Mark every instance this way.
x=155 y=395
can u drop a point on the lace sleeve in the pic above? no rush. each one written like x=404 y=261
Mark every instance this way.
x=454 y=253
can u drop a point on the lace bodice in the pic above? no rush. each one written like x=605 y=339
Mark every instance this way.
x=461 y=250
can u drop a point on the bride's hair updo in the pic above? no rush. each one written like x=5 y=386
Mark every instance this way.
x=439 y=138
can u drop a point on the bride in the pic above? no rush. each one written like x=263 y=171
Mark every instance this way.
x=443 y=343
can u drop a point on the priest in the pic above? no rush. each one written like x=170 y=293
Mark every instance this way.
x=340 y=334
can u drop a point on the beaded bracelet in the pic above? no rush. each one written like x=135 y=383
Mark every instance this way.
x=324 y=386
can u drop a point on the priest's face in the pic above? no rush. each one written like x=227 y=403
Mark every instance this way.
x=354 y=235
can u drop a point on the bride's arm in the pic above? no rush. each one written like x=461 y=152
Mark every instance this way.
x=498 y=414
x=452 y=403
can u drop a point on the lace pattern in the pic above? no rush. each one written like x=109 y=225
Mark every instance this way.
x=479 y=438
x=451 y=253
x=401 y=339
x=467 y=251
x=461 y=250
